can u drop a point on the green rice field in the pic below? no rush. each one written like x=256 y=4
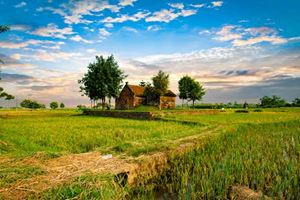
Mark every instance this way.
x=259 y=150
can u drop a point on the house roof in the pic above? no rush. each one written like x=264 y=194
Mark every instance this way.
x=170 y=94
x=139 y=91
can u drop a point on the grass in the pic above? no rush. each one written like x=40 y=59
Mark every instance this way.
x=25 y=133
x=260 y=150
x=263 y=157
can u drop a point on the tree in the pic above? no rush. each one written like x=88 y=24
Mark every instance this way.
x=160 y=83
x=102 y=80
x=196 y=92
x=27 y=103
x=184 y=87
x=143 y=83
x=296 y=102
x=62 y=105
x=190 y=89
x=2 y=93
x=271 y=102
x=53 y=105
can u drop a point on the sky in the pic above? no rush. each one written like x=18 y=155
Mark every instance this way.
x=239 y=50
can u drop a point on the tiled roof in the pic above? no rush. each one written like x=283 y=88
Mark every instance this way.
x=137 y=90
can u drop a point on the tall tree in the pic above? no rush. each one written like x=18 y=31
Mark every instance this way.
x=2 y=93
x=184 y=87
x=196 y=92
x=161 y=83
x=102 y=80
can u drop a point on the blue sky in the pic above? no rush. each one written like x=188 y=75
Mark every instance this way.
x=239 y=50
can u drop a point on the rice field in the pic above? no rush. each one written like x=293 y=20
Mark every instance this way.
x=258 y=150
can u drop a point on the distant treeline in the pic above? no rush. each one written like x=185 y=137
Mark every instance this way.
x=265 y=102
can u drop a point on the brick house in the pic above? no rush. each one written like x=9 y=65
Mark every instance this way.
x=133 y=96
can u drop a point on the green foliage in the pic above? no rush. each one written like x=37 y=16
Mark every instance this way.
x=102 y=80
x=53 y=105
x=160 y=83
x=296 y=102
x=62 y=105
x=190 y=89
x=27 y=103
x=4 y=28
x=263 y=157
x=272 y=102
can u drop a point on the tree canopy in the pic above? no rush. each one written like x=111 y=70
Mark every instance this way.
x=27 y=103
x=53 y=105
x=190 y=89
x=3 y=94
x=161 y=83
x=270 y=102
x=103 y=79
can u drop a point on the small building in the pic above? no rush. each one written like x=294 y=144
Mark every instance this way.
x=133 y=96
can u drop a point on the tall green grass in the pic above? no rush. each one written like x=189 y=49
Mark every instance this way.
x=63 y=132
x=263 y=157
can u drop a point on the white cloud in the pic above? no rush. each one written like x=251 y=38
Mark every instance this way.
x=21 y=4
x=52 y=30
x=11 y=45
x=251 y=41
x=130 y=29
x=103 y=32
x=240 y=36
x=122 y=18
x=43 y=55
x=20 y=27
x=126 y=2
x=186 y=13
x=153 y=28
x=217 y=3
x=176 y=5
x=225 y=34
x=165 y=15
x=109 y=25
x=198 y=5
x=78 y=38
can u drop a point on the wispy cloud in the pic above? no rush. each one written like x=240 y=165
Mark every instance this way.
x=123 y=18
x=12 y=45
x=78 y=38
x=52 y=30
x=240 y=36
x=217 y=3
x=126 y=2
x=21 y=4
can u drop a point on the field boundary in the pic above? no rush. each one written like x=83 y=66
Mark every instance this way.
x=120 y=114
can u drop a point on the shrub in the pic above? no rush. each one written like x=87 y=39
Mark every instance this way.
x=31 y=104
x=257 y=110
x=53 y=105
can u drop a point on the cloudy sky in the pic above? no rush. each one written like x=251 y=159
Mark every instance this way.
x=239 y=50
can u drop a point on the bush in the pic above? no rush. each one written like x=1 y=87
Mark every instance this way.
x=241 y=111
x=31 y=104
x=62 y=105
x=53 y=105
x=257 y=110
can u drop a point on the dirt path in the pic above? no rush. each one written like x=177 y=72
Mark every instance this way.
x=63 y=169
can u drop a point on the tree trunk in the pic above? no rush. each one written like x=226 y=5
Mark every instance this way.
x=182 y=103
x=193 y=104
x=91 y=103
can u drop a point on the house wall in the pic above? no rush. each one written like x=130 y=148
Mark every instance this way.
x=139 y=101
x=167 y=102
x=125 y=100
